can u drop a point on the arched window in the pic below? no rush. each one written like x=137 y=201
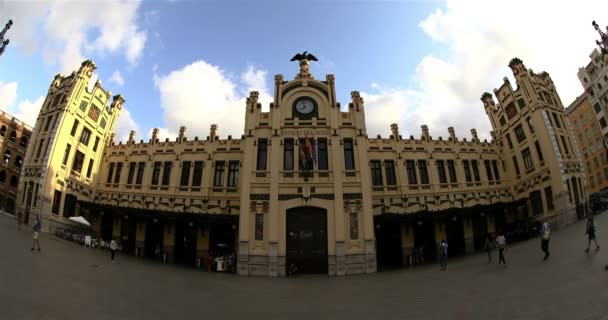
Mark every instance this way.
x=7 y=157
x=23 y=142
x=13 y=136
x=14 y=181
x=3 y=131
x=18 y=162
x=2 y=176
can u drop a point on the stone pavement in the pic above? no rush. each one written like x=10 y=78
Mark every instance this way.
x=67 y=281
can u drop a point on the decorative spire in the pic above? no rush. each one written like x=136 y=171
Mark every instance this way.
x=4 y=42
x=603 y=44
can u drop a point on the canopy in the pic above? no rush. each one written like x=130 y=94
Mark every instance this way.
x=81 y=220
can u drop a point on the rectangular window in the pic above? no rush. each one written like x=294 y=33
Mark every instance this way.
x=197 y=178
x=140 y=172
x=66 y=155
x=597 y=107
x=36 y=194
x=467 y=170
x=519 y=133
x=527 y=158
x=452 y=171
x=40 y=148
x=288 y=154
x=521 y=103
x=495 y=166
x=537 y=203
x=118 y=172
x=259 y=227
x=441 y=171
x=96 y=144
x=233 y=174
x=389 y=171
x=56 y=202
x=167 y=173
x=376 y=172
x=556 y=120
x=349 y=155
x=529 y=121
x=131 y=174
x=475 y=166
x=424 y=174
x=539 y=151
x=110 y=173
x=48 y=123
x=90 y=168
x=185 y=178
x=486 y=164
x=603 y=122
x=78 y=162
x=410 y=166
x=262 y=154
x=85 y=136
x=564 y=144
x=218 y=178
x=323 y=158
x=516 y=165
x=354 y=225
x=156 y=173
x=509 y=141
x=74 y=128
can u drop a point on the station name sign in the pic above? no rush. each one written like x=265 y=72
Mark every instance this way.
x=305 y=132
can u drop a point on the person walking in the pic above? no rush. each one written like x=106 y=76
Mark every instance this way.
x=501 y=243
x=546 y=236
x=19 y=219
x=443 y=254
x=37 y=227
x=113 y=247
x=591 y=230
x=489 y=246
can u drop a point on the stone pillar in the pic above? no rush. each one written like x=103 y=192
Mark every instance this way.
x=140 y=238
x=440 y=234
x=273 y=259
x=169 y=241
x=243 y=258
x=491 y=222
x=96 y=226
x=340 y=258
x=202 y=246
x=407 y=244
x=116 y=227
x=469 y=237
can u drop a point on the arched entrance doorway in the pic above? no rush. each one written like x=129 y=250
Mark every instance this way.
x=307 y=239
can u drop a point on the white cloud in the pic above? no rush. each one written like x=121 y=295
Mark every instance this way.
x=26 y=110
x=62 y=29
x=201 y=94
x=8 y=94
x=117 y=78
x=124 y=125
x=480 y=38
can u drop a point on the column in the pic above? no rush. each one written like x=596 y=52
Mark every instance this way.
x=202 y=247
x=169 y=241
x=440 y=234
x=469 y=237
x=491 y=223
x=140 y=237
x=407 y=243
x=116 y=227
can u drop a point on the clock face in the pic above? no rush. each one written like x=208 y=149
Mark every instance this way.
x=305 y=106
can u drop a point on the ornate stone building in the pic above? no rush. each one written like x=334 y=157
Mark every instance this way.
x=14 y=138
x=305 y=185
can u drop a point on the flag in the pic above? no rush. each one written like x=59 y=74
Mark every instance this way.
x=314 y=149
x=303 y=161
x=309 y=149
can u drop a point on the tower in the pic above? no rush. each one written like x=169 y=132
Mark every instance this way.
x=66 y=147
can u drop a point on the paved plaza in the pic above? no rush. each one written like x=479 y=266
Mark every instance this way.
x=67 y=281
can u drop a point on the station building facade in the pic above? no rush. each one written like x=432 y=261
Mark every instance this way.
x=14 y=138
x=304 y=184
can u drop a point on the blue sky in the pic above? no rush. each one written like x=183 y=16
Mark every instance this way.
x=193 y=62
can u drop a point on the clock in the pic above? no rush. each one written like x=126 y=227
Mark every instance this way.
x=305 y=106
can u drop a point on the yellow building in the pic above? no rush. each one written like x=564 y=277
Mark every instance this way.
x=591 y=142
x=305 y=185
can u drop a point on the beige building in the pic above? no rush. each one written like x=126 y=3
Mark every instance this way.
x=305 y=185
x=590 y=141
x=14 y=138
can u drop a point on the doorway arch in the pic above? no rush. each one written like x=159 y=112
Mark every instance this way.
x=307 y=239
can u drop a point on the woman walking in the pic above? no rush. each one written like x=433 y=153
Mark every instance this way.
x=113 y=247
x=591 y=229
x=489 y=246
x=544 y=242
x=501 y=242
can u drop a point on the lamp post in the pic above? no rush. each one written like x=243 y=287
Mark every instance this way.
x=4 y=42
x=603 y=43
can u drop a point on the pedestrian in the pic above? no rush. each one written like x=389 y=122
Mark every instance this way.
x=591 y=230
x=209 y=261
x=501 y=243
x=443 y=254
x=489 y=246
x=19 y=219
x=113 y=247
x=233 y=262
x=546 y=236
x=37 y=227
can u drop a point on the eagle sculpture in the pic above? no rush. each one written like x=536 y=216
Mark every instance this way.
x=304 y=56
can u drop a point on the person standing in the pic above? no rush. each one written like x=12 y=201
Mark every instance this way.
x=501 y=243
x=113 y=247
x=546 y=236
x=489 y=246
x=591 y=230
x=19 y=219
x=37 y=227
x=443 y=254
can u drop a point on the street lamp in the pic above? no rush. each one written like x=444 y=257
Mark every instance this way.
x=3 y=42
x=603 y=43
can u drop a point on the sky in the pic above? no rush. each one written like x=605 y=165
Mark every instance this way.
x=193 y=63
